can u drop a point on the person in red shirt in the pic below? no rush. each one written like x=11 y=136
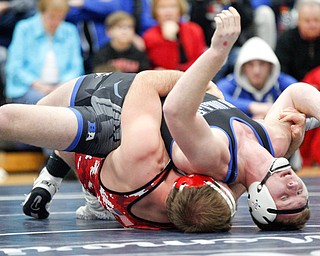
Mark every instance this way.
x=310 y=147
x=173 y=43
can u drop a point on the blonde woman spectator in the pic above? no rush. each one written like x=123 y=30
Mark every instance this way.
x=45 y=51
x=173 y=43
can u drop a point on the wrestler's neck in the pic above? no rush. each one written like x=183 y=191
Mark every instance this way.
x=253 y=167
x=153 y=206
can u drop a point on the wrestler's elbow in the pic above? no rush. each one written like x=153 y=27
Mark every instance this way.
x=171 y=112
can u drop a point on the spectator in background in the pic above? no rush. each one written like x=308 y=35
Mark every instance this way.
x=90 y=15
x=173 y=43
x=310 y=147
x=120 y=53
x=45 y=51
x=256 y=83
x=265 y=22
x=313 y=77
x=286 y=7
x=298 y=49
x=11 y=12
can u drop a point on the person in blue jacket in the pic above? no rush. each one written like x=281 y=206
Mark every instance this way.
x=44 y=52
x=256 y=81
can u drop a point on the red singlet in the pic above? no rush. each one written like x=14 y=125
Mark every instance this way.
x=119 y=204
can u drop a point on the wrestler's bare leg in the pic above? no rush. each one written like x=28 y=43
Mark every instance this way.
x=57 y=167
x=42 y=126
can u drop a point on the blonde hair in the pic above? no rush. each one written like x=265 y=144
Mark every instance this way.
x=198 y=209
x=183 y=6
x=116 y=17
x=295 y=223
x=44 y=5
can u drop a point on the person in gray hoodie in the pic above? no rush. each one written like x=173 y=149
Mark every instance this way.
x=256 y=81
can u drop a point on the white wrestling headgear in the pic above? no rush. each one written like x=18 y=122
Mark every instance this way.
x=261 y=204
x=197 y=180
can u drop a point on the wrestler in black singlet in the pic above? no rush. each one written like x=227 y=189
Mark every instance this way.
x=220 y=114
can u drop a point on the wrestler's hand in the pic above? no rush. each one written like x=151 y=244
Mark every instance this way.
x=297 y=123
x=297 y=120
x=227 y=31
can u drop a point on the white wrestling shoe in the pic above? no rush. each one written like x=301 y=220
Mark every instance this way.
x=38 y=200
x=93 y=210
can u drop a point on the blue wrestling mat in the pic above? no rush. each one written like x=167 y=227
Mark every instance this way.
x=63 y=234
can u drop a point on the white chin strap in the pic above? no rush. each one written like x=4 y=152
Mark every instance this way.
x=227 y=196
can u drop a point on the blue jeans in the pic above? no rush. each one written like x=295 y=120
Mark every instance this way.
x=31 y=97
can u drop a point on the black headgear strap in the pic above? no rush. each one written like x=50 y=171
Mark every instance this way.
x=292 y=211
x=271 y=171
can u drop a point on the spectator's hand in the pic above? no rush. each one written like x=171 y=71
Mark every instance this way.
x=259 y=109
x=170 y=30
x=43 y=87
x=139 y=43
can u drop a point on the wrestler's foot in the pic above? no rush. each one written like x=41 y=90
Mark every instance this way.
x=87 y=213
x=38 y=200
x=93 y=210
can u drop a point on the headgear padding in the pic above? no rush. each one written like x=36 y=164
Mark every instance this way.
x=196 y=180
x=261 y=204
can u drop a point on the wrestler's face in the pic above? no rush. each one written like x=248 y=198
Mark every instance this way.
x=287 y=190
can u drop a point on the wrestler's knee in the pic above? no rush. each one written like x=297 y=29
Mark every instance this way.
x=7 y=116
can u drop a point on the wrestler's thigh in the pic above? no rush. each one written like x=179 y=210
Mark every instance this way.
x=42 y=126
x=60 y=96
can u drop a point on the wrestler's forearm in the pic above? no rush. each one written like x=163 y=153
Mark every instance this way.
x=305 y=98
x=189 y=90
